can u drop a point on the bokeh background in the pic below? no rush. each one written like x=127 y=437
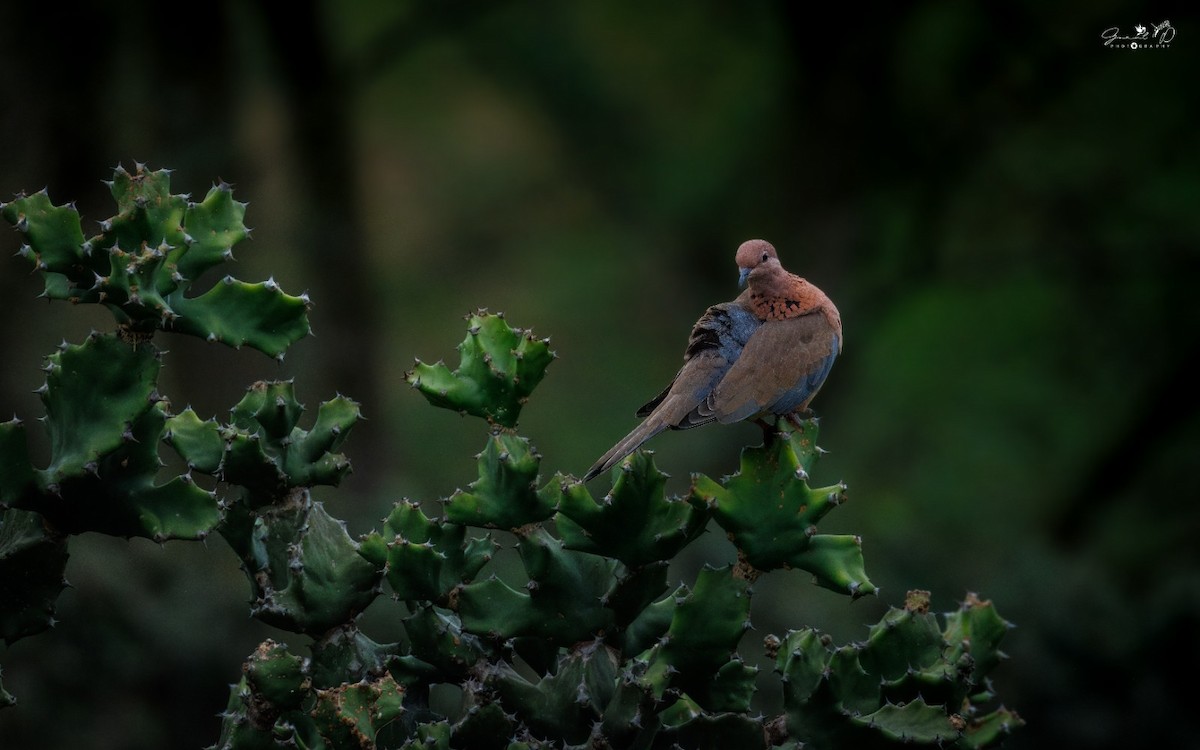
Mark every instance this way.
x=1006 y=212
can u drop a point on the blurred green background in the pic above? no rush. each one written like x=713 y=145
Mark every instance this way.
x=1006 y=212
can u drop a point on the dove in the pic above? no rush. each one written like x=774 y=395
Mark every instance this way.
x=764 y=354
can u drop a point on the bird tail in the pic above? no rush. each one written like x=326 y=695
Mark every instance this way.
x=625 y=446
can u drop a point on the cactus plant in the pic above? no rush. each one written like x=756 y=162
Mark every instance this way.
x=592 y=645
x=146 y=257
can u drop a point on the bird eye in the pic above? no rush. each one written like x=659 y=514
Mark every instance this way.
x=765 y=256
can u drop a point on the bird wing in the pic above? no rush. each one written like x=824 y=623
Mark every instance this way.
x=779 y=370
x=714 y=345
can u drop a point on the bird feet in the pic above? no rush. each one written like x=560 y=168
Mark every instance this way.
x=798 y=417
x=770 y=431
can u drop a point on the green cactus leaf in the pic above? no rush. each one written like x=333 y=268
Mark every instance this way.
x=270 y=406
x=563 y=601
x=17 y=476
x=767 y=508
x=237 y=313
x=991 y=729
x=267 y=452
x=499 y=367
x=247 y=464
x=350 y=715
x=214 y=226
x=93 y=392
x=651 y=623
x=705 y=629
x=241 y=726
x=430 y=736
x=117 y=492
x=895 y=687
x=770 y=514
x=32 y=561
x=914 y=722
x=705 y=731
x=633 y=592
x=427 y=559
x=635 y=522
x=566 y=703
x=854 y=689
x=505 y=495
x=277 y=675
x=335 y=418
x=802 y=661
x=54 y=233
x=148 y=255
x=901 y=642
x=803 y=441
x=836 y=562
x=306 y=571
x=732 y=687
x=197 y=442
x=976 y=628
x=436 y=636
x=483 y=727
x=345 y=654
x=146 y=210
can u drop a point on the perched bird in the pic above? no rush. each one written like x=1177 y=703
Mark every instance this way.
x=765 y=353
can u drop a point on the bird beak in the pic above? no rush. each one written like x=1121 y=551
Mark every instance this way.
x=742 y=276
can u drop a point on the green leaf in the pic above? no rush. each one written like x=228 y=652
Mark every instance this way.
x=901 y=642
x=54 y=233
x=345 y=654
x=214 y=226
x=706 y=626
x=94 y=391
x=635 y=522
x=105 y=462
x=277 y=675
x=351 y=715
x=976 y=628
x=836 y=562
x=770 y=514
x=563 y=601
x=991 y=729
x=306 y=571
x=427 y=559
x=802 y=661
x=505 y=496
x=913 y=722
x=767 y=507
x=239 y=314
x=198 y=443
x=566 y=703
x=437 y=637
x=499 y=367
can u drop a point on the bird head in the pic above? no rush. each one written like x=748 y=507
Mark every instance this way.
x=750 y=255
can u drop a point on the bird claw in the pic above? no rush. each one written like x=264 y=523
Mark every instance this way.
x=770 y=431
x=797 y=418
